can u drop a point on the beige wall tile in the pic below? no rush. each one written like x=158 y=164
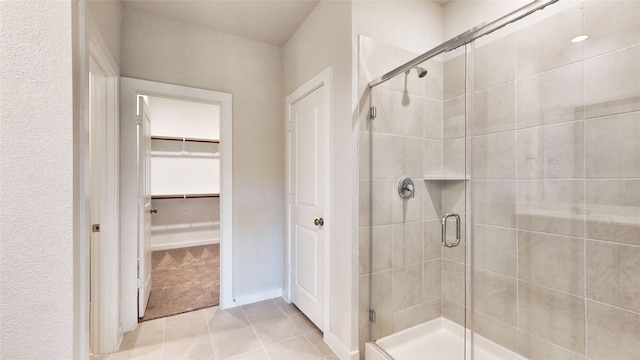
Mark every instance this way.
x=496 y=331
x=433 y=157
x=546 y=44
x=612 y=83
x=364 y=203
x=454 y=157
x=432 y=240
x=613 y=146
x=408 y=114
x=381 y=297
x=495 y=109
x=407 y=286
x=432 y=288
x=408 y=83
x=495 y=203
x=434 y=79
x=455 y=313
x=432 y=200
x=535 y=348
x=408 y=243
x=407 y=157
x=611 y=25
x=454 y=118
x=382 y=201
x=613 y=274
x=612 y=333
x=382 y=252
x=551 y=261
x=494 y=156
x=382 y=327
x=496 y=296
x=433 y=114
x=495 y=61
x=551 y=152
x=613 y=208
x=364 y=286
x=415 y=315
x=495 y=249
x=364 y=249
x=453 y=282
x=553 y=316
x=454 y=74
x=552 y=206
x=551 y=97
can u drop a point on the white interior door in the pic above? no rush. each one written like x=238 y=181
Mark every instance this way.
x=144 y=205
x=306 y=169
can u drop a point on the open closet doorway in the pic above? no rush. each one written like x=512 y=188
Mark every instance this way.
x=181 y=179
x=184 y=207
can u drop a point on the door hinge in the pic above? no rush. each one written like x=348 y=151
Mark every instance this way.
x=140 y=201
x=140 y=283
x=372 y=315
x=138 y=120
x=289 y=126
x=373 y=112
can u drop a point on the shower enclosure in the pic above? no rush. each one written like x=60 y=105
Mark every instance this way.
x=519 y=236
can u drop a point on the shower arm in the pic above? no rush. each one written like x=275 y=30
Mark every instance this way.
x=464 y=38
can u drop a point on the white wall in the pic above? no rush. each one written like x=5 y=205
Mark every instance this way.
x=460 y=16
x=415 y=26
x=324 y=39
x=159 y=49
x=107 y=15
x=36 y=181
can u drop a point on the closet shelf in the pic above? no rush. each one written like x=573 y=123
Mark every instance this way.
x=185 y=196
x=173 y=138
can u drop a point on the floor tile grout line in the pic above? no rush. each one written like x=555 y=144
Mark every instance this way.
x=264 y=348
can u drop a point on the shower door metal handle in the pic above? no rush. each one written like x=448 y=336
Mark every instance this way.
x=444 y=230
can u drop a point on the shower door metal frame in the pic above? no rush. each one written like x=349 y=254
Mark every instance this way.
x=465 y=38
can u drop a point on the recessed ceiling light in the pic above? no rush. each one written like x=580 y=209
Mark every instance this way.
x=580 y=38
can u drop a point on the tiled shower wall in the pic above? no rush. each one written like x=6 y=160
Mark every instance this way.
x=405 y=265
x=557 y=189
x=557 y=192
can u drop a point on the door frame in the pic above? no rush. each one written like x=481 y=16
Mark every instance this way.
x=129 y=90
x=103 y=320
x=321 y=81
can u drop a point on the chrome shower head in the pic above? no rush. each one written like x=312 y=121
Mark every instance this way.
x=421 y=71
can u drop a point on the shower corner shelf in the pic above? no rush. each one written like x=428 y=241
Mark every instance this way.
x=445 y=178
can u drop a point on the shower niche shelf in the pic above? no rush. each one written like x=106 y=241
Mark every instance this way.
x=445 y=178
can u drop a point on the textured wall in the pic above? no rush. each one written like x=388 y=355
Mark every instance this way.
x=159 y=49
x=36 y=182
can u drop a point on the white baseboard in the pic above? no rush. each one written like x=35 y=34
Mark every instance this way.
x=338 y=348
x=183 y=244
x=250 y=299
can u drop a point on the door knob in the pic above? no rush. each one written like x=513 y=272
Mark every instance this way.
x=153 y=211
x=318 y=222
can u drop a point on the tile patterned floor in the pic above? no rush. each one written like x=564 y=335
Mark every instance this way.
x=268 y=330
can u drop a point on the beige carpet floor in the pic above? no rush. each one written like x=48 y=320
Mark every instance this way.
x=183 y=280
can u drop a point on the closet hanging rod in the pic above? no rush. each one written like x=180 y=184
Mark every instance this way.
x=185 y=196
x=464 y=38
x=173 y=138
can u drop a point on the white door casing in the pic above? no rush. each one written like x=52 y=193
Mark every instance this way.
x=99 y=184
x=309 y=188
x=129 y=188
x=144 y=205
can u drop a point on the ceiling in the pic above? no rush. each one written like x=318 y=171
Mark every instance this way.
x=268 y=21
